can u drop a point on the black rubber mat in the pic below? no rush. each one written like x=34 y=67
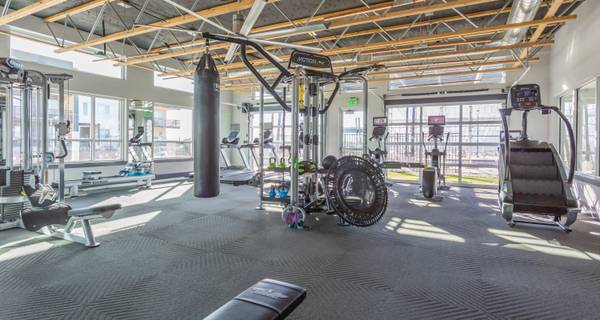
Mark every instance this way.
x=168 y=255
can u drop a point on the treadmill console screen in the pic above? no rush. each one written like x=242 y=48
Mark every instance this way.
x=436 y=120
x=526 y=96
x=380 y=121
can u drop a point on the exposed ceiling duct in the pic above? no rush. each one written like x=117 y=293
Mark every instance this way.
x=522 y=11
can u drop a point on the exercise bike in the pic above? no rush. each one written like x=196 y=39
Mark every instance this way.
x=433 y=176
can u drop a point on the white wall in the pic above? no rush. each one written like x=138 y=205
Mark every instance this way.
x=138 y=84
x=574 y=62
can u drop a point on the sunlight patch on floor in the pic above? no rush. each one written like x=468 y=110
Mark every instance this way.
x=175 y=192
x=422 y=229
x=528 y=242
x=423 y=203
x=14 y=250
x=115 y=225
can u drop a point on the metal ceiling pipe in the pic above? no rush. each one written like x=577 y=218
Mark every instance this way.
x=238 y=21
x=522 y=11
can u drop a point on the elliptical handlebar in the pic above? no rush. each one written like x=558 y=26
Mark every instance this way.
x=446 y=144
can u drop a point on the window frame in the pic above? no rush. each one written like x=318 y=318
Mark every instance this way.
x=419 y=124
x=92 y=139
x=155 y=141
x=577 y=125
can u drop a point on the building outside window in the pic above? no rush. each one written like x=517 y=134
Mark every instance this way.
x=471 y=154
x=172 y=132
x=352 y=133
x=96 y=127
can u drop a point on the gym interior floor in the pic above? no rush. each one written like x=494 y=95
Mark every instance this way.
x=168 y=255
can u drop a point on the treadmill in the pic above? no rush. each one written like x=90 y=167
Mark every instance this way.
x=533 y=179
x=230 y=174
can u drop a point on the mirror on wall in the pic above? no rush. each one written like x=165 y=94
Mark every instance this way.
x=140 y=126
x=140 y=115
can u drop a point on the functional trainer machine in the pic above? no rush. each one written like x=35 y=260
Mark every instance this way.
x=533 y=179
x=351 y=187
x=433 y=176
x=26 y=200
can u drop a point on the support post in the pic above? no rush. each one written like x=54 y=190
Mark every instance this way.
x=261 y=154
x=294 y=142
x=61 y=161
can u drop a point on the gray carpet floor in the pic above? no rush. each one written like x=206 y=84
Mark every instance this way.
x=168 y=255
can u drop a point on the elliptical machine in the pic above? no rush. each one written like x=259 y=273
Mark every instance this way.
x=379 y=154
x=433 y=176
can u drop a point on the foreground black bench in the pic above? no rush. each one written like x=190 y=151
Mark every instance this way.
x=266 y=300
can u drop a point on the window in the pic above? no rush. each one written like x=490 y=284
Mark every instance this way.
x=107 y=131
x=95 y=128
x=172 y=132
x=407 y=79
x=567 y=105
x=277 y=118
x=472 y=144
x=179 y=84
x=39 y=52
x=588 y=137
x=352 y=133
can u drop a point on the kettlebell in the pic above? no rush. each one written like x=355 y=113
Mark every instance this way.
x=272 y=163
x=282 y=163
x=283 y=191
x=272 y=192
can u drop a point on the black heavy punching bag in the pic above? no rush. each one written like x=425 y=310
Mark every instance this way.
x=206 y=128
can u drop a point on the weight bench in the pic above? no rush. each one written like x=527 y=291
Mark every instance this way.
x=83 y=216
x=58 y=220
x=266 y=300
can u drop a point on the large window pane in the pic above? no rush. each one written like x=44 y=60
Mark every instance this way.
x=79 y=150
x=78 y=110
x=108 y=119
x=471 y=157
x=588 y=129
x=107 y=150
x=172 y=132
x=352 y=132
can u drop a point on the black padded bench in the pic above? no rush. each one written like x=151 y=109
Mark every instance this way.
x=266 y=300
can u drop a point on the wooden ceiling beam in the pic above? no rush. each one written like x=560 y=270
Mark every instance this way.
x=443 y=36
x=367 y=32
x=458 y=73
x=431 y=66
x=382 y=45
x=342 y=14
x=552 y=9
x=316 y=19
x=29 y=10
x=76 y=10
x=168 y=23
x=395 y=60
x=423 y=76
x=456 y=4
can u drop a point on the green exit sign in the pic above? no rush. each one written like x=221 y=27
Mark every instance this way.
x=352 y=102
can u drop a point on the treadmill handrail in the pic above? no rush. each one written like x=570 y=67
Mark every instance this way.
x=573 y=145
